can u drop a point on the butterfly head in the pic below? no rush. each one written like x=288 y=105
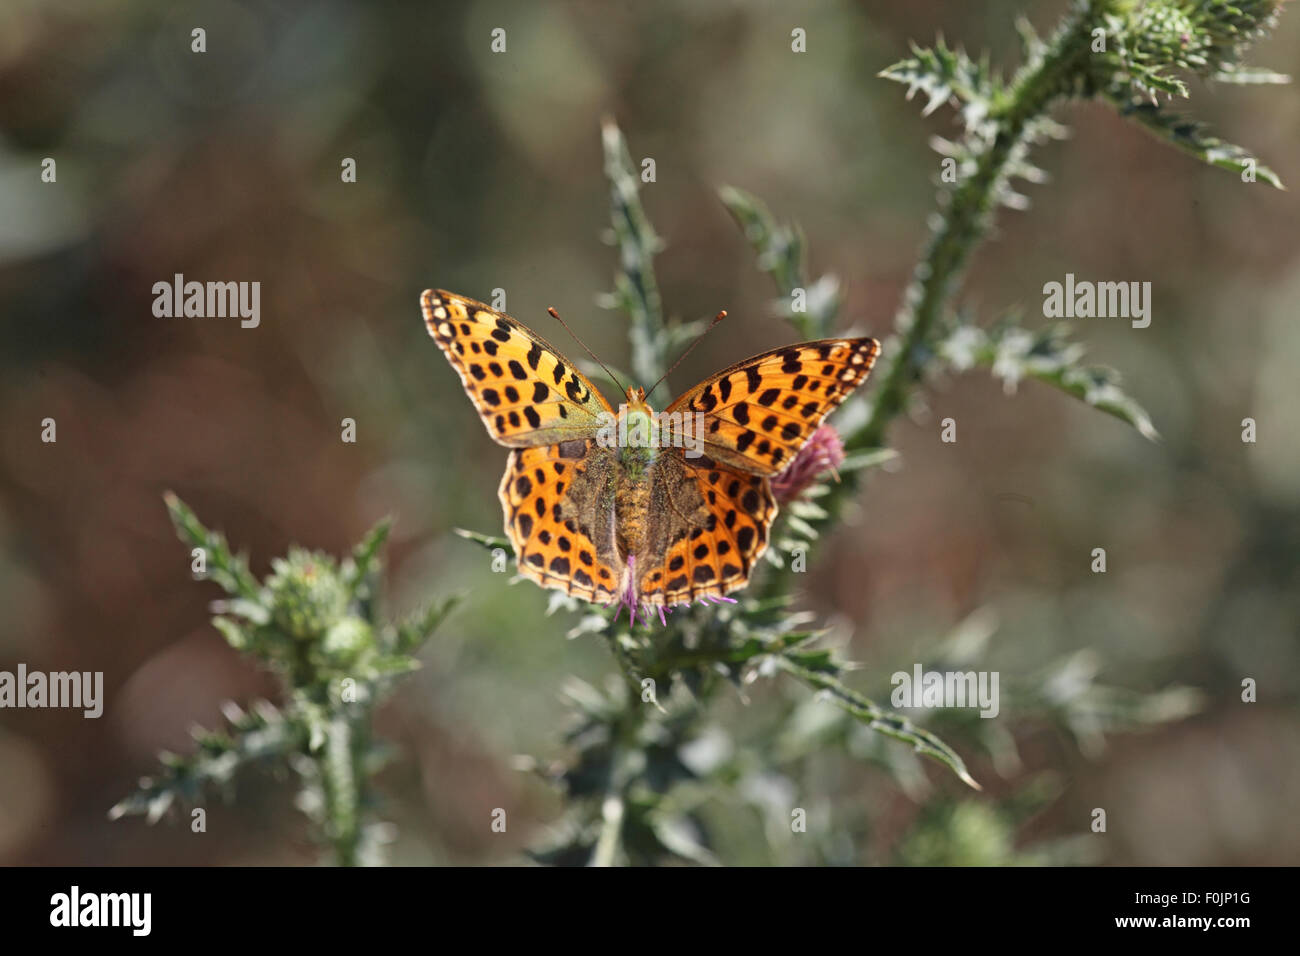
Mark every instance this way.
x=636 y=401
x=638 y=432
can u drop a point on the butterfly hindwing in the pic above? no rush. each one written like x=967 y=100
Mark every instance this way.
x=558 y=517
x=758 y=413
x=526 y=392
x=709 y=525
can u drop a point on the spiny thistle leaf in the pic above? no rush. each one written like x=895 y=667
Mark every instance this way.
x=1048 y=355
x=488 y=541
x=779 y=249
x=945 y=75
x=358 y=568
x=1068 y=692
x=258 y=734
x=861 y=460
x=1191 y=137
x=877 y=718
x=225 y=568
x=635 y=290
x=412 y=633
x=1031 y=44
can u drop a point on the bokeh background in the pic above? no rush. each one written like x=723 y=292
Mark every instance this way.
x=478 y=171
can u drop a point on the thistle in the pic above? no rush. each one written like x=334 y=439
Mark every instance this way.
x=823 y=453
x=314 y=623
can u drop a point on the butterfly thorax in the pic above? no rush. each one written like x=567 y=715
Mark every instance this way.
x=638 y=435
x=637 y=452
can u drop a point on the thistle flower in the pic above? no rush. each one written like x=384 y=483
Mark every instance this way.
x=823 y=452
x=1159 y=38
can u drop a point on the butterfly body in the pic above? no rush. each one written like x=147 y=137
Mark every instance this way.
x=632 y=505
x=636 y=422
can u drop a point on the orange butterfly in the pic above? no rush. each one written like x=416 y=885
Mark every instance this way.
x=632 y=506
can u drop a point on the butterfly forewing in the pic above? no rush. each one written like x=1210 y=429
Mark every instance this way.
x=760 y=412
x=525 y=391
x=558 y=520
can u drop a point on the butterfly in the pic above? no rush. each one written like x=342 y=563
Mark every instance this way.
x=629 y=505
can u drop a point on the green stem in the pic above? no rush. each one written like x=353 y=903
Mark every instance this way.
x=965 y=221
x=341 y=776
x=612 y=809
x=636 y=292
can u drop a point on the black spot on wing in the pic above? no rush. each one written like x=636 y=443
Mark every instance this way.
x=745 y=538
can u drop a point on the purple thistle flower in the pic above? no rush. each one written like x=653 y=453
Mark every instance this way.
x=824 y=451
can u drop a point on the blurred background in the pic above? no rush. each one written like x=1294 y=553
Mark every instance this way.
x=478 y=171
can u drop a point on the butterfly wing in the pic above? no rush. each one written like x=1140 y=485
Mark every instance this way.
x=559 y=512
x=708 y=525
x=760 y=412
x=526 y=392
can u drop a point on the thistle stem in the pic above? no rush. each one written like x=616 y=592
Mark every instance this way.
x=341 y=776
x=966 y=220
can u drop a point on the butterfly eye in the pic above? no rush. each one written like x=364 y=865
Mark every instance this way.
x=575 y=448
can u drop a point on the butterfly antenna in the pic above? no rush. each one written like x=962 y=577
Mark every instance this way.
x=612 y=377
x=716 y=319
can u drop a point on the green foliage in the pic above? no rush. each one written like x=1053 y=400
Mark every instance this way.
x=1122 y=52
x=635 y=290
x=260 y=734
x=945 y=75
x=1151 y=47
x=1193 y=138
x=779 y=249
x=1047 y=354
x=313 y=622
x=648 y=774
x=631 y=796
x=1064 y=694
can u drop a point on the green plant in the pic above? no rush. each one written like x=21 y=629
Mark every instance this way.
x=632 y=795
x=649 y=760
x=314 y=622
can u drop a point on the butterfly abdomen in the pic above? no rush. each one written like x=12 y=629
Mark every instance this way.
x=632 y=506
